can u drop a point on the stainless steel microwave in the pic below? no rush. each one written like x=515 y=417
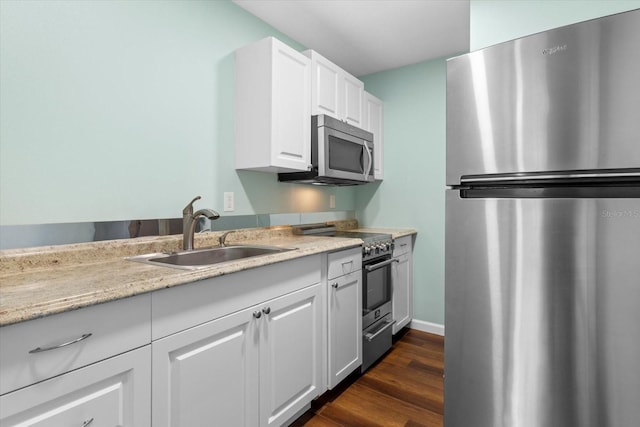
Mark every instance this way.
x=341 y=154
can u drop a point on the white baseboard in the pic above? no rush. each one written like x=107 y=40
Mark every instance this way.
x=432 y=328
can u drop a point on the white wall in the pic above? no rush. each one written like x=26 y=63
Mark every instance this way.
x=497 y=21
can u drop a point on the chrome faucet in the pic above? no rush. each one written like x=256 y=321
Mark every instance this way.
x=189 y=221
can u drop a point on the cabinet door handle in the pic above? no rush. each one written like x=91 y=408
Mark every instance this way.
x=335 y=285
x=54 y=347
x=266 y=310
x=257 y=314
x=87 y=422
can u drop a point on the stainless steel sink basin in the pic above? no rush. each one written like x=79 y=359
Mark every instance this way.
x=202 y=258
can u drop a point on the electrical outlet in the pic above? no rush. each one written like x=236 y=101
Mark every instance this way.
x=228 y=202
x=332 y=201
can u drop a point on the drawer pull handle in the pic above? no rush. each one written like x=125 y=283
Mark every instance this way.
x=266 y=310
x=54 y=347
x=370 y=337
x=87 y=422
x=257 y=314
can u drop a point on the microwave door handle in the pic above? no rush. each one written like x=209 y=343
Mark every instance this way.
x=368 y=171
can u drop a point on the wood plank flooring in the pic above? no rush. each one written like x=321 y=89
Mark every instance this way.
x=405 y=388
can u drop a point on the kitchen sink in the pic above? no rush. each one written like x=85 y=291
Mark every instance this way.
x=202 y=258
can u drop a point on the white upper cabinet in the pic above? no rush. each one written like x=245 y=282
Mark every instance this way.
x=273 y=108
x=334 y=91
x=373 y=121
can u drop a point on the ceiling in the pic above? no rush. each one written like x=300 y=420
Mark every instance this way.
x=368 y=36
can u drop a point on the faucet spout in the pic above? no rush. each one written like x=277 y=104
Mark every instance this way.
x=189 y=222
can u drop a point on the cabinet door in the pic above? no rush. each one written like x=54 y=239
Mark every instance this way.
x=373 y=121
x=402 y=282
x=353 y=92
x=208 y=375
x=345 y=326
x=325 y=93
x=290 y=354
x=291 y=146
x=272 y=107
x=335 y=92
x=114 y=392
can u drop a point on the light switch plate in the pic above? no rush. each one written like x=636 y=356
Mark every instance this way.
x=228 y=202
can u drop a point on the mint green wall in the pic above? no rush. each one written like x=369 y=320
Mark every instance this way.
x=115 y=110
x=496 y=21
x=412 y=193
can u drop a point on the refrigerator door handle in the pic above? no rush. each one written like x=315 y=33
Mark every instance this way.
x=623 y=175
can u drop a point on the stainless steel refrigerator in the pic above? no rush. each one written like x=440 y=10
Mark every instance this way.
x=542 y=297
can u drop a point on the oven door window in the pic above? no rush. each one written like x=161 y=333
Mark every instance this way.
x=378 y=288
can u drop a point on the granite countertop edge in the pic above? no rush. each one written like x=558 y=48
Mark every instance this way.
x=82 y=275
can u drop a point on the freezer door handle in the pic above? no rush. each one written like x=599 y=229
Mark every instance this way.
x=572 y=177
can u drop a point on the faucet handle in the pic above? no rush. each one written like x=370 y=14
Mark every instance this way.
x=221 y=239
x=189 y=208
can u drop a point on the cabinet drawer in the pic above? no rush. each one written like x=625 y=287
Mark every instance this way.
x=344 y=262
x=38 y=349
x=402 y=245
x=114 y=392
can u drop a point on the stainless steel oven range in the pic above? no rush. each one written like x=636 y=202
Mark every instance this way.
x=377 y=258
x=377 y=320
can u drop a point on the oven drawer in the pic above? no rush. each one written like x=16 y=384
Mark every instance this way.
x=344 y=262
x=376 y=341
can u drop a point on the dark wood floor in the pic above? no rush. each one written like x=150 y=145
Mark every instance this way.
x=405 y=388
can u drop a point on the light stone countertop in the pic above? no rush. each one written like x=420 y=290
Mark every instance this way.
x=395 y=233
x=38 y=282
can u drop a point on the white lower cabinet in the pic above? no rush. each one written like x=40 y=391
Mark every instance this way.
x=290 y=362
x=402 y=283
x=113 y=392
x=245 y=349
x=345 y=326
x=208 y=374
x=344 y=314
x=256 y=367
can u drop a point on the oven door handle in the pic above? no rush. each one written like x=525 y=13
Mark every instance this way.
x=371 y=337
x=380 y=264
